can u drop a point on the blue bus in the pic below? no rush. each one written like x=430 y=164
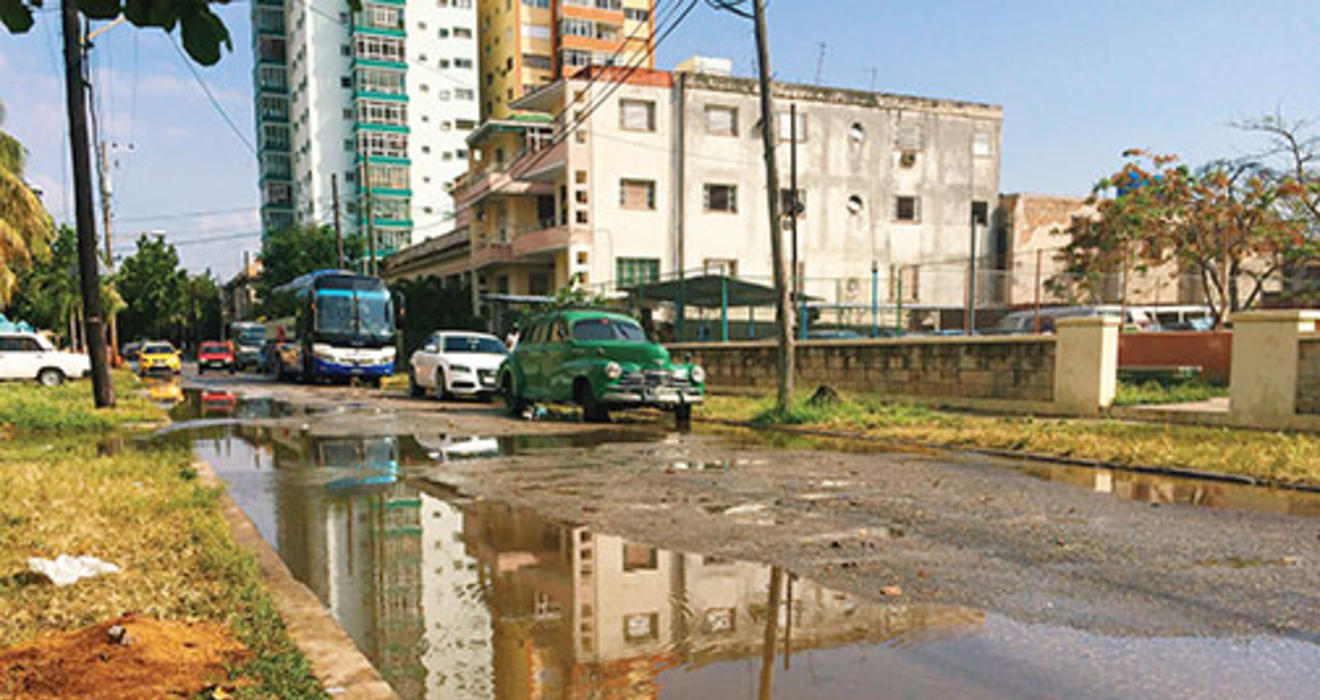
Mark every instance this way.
x=345 y=326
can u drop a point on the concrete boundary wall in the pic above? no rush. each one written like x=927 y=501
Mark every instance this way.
x=1073 y=372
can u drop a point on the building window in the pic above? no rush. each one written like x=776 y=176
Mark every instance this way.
x=857 y=133
x=980 y=214
x=536 y=61
x=636 y=15
x=426 y=149
x=855 y=204
x=462 y=63
x=639 y=557
x=442 y=33
x=720 y=198
x=637 y=194
x=581 y=216
x=981 y=146
x=542 y=4
x=786 y=202
x=721 y=121
x=641 y=627
x=637 y=115
x=462 y=33
x=907 y=208
x=786 y=126
x=577 y=27
x=576 y=59
x=464 y=124
x=627 y=273
x=907 y=159
x=464 y=94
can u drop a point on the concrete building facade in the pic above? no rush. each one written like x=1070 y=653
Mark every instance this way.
x=613 y=177
x=389 y=92
x=528 y=44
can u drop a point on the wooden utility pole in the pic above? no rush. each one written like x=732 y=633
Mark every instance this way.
x=783 y=296
x=104 y=181
x=771 y=636
x=339 y=232
x=75 y=98
x=795 y=275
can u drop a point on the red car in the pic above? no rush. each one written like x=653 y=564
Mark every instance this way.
x=215 y=355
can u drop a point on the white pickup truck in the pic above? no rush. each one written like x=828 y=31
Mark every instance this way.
x=31 y=356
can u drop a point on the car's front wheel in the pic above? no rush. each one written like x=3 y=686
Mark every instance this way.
x=592 y=410
x=50 y=377
x=513 y=402
x=414 y=389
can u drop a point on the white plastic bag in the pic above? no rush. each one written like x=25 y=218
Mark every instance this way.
x=64 y=569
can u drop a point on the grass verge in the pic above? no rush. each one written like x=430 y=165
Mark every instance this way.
x=1282 y=457
x=27 y=407
x=143 y=509
x=1153 y=392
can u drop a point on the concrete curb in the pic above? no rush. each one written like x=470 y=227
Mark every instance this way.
x=343 y=670
x=1029 y=456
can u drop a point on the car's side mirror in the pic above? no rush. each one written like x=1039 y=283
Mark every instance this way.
x=431 y=349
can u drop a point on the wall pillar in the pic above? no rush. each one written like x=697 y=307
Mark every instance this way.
x=1263 y=379
x=1085 y=363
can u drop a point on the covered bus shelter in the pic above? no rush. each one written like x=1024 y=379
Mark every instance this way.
x=705 y=292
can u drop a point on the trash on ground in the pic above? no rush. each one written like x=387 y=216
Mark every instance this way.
x=64 y=569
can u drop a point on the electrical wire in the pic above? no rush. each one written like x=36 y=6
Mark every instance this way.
x=210 y=96
x=185 y=214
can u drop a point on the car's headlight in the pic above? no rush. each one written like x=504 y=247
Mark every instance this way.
x=460 y=369
x=613 y=370
x=698 y=374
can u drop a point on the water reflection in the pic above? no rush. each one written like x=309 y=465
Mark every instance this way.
x=479 y=599
x=165 y=391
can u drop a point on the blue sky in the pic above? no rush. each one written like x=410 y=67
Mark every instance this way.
x=1079 y=83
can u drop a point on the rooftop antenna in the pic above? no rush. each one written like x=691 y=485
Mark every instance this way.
x=820 y=61
x=875 y=74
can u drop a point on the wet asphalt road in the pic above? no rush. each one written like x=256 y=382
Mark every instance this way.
x=1098 y=552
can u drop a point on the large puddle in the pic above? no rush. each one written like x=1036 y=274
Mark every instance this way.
x=460 y=598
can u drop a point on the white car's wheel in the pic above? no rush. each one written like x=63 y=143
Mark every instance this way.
x=50 y=377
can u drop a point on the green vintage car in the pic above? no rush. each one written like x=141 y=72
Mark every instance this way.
x=600 y=360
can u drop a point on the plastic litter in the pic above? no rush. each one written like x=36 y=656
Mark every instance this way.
x=64 y=569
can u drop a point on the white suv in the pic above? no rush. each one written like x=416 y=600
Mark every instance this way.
x=31 y=356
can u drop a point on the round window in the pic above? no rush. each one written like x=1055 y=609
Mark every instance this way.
x=857 y=133
x=854 y=204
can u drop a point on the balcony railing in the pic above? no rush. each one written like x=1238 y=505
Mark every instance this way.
x=511 y=177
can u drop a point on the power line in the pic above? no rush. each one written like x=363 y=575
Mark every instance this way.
x=185 y=214
x=214 y=102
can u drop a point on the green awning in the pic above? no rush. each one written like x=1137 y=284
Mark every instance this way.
x=706 y=291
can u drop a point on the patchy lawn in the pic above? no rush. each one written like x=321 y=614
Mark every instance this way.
x=70 y=486
x=1278 y=456
x=1153 y=392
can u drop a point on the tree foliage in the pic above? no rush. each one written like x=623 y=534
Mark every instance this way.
x=202 y=31
x=1224 y=222
x=431 y=305
x=295 y=251
x=25 y=227
x=154 y=288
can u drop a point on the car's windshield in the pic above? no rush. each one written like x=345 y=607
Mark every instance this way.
x=474 y=343
x=158 y=349
x=214 y=348
x=252 y=336
x=607 y=329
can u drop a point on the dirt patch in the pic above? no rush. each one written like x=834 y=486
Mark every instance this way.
x=152 y=659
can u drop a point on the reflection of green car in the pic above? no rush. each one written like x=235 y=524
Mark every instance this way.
x=599 y=360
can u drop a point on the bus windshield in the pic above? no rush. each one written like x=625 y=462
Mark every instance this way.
x=353 y=312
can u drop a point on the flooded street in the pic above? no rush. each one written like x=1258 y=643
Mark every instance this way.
x=454 y=563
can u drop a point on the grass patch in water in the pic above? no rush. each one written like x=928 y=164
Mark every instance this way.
x=1284 y=457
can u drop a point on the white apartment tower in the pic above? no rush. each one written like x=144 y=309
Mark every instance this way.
x=389 y=92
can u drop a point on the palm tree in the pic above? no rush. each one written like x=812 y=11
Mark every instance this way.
x=25 y=227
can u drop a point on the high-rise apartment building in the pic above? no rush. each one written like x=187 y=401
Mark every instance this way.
x=527 y=44
x=390 y=92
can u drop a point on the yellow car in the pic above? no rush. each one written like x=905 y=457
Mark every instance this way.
x=158 y=357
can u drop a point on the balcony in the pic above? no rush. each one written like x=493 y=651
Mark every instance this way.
x=530 y=172
x=533 y=245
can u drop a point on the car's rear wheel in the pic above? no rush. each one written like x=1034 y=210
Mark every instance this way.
x=592 y=410
x=513 y=402
x=50 y=377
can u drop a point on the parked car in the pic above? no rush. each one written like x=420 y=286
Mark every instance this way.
x=833 y=334
x=159 y=356
x=600 y=360
x=1019 y=322
x=215 y=354
x=31 y=356
x=456 y=363
x=130 y=351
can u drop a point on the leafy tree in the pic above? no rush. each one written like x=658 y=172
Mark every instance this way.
x=202 y=31
x=155 y=290
x=203 y=313
x=295 y=251
x=25 y=227
x=430 y=305
x=1225 y=222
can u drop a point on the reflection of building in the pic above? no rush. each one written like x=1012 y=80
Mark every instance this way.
x=578 y=614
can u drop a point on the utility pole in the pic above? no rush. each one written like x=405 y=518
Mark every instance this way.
x=104 y=181
x=793 y=219
x=103 y=392
x=783 y=302
x=339 y=232
x=820 y=61
x=970 y=322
